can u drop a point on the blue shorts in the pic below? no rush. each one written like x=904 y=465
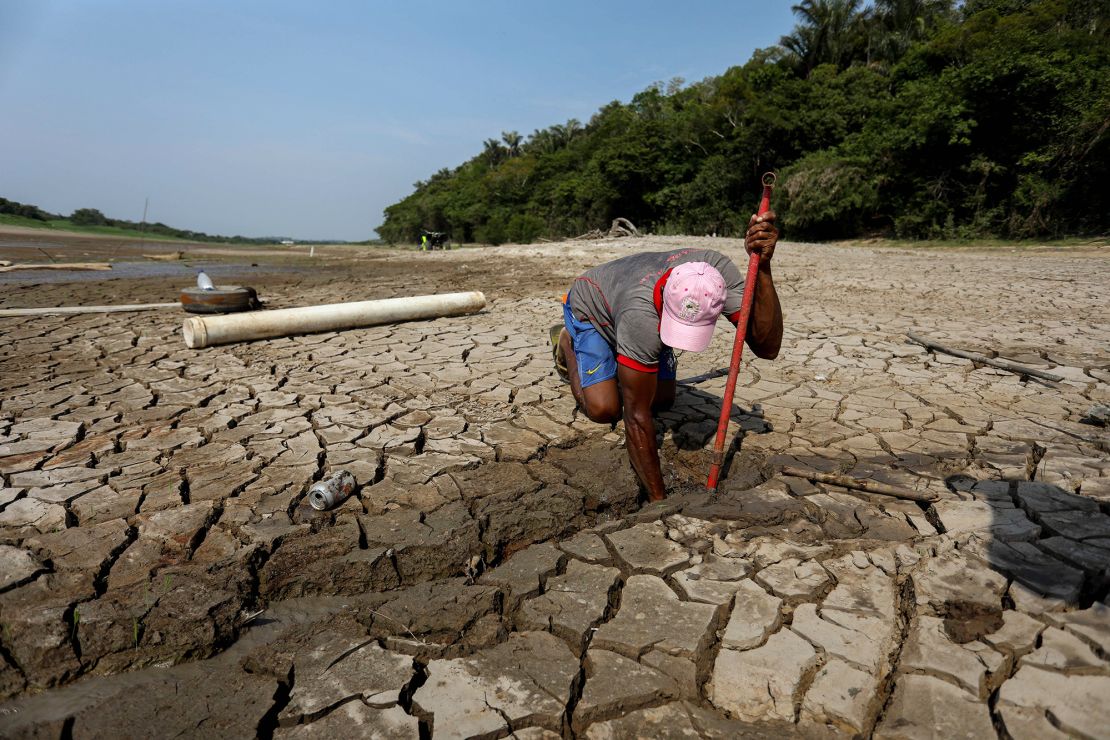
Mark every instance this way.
x=597 y=362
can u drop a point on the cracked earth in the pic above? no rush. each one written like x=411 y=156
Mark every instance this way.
x=497 y=575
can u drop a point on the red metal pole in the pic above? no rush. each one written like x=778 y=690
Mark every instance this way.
x=738 y=345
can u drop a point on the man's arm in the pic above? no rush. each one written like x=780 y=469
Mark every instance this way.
x=637 y=393
x=764 y=334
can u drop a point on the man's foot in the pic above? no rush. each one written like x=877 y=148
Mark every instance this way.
x=557 y=354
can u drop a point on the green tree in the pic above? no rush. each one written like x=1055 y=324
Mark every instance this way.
x=903 y=117
x=88 y=217
x=25 y=210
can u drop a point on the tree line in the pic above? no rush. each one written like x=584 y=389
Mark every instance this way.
x=12 y=208
x=93 y=217
x=907 y=118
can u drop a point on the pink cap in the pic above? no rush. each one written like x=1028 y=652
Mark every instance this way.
x=693 y=298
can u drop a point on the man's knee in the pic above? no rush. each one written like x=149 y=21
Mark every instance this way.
x=604 y=410
x=603 y=413
x=602 y=401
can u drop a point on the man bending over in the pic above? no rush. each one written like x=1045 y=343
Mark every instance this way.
x=623 y=319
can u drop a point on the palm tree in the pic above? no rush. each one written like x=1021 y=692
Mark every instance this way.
x=493 y=152
x=899 y=23
x=802 y=44
x=828 y=32
x=557 y=136
x=512 y=140
x=563 y=133
x=541 y=141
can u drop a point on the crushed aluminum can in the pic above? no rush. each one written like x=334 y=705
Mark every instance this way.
x=329 y=493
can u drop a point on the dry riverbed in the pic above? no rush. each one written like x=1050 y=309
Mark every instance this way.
x=497 y=574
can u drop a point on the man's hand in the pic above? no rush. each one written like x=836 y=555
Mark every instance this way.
x=765 y=325
x=761 y=238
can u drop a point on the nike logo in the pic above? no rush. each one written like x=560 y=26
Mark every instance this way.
x=591 y=372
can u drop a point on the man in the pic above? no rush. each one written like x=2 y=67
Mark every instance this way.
x=623 y=319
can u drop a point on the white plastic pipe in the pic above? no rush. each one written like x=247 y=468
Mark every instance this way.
x=206 y=331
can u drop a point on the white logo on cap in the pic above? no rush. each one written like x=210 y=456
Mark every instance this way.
x=690 y=309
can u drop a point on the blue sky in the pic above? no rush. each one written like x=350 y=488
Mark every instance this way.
x=307 y=119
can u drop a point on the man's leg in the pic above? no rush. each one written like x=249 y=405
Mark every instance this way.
x=592 y=367
x=600 y=401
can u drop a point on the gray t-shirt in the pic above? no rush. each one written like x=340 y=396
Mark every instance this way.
x=618 y=298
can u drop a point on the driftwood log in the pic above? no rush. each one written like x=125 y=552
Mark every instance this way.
x=619 y=228
x=58 y=266
x=623 y=227
x=858 y=484
x=1012 y=367
x=84 y=309
x=594 y=234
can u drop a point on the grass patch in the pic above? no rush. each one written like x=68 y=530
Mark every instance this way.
x=10 y=220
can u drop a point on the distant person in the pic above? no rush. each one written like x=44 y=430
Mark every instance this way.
x=622 y=321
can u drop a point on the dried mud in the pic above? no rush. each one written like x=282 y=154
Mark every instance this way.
x=497 y=573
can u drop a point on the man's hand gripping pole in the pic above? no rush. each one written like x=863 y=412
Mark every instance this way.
x=738 y=345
